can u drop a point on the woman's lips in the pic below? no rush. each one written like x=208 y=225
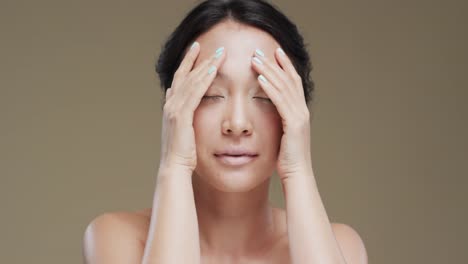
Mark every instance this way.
x=235 y=160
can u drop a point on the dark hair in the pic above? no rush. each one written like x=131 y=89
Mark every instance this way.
x=256 y=13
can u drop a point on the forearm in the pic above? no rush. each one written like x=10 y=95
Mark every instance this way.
x=311 y=237
x=173 y=233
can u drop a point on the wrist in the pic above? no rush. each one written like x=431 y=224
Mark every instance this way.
x=174 y=171
x=301 y=176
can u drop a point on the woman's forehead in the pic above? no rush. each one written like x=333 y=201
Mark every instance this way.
x=239 y=42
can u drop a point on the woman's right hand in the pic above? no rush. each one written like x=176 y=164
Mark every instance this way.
x=178 y=150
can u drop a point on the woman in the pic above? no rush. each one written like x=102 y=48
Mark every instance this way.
x=235 y=110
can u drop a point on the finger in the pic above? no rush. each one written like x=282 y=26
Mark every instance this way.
x=277 y=76
x=198 y=81
x=168 y=93
x=273 y=74
x=193 y=79
x=205 y=77
x=289 y=74
x=215 y=59
x=287 y=65
x=273 y=94
x=187 y=64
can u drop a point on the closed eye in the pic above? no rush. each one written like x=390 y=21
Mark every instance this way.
x=263 y=98
x=212 y=97
x=215 y=97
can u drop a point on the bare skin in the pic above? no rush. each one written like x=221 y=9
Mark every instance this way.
x=121 y=236
x=277 y=250
x=227 y=218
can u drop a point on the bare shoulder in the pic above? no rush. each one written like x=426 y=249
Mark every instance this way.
x=351 y=244
x=116 y=237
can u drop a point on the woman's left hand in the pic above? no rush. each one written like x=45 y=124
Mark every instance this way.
x=283 y=85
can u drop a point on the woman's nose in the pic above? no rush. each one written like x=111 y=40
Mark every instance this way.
x=237 y=120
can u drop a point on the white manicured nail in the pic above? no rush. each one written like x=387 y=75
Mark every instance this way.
x=212 y=69
x=260 y=53
x=257 y=60
x=281 y=51
x=194 y=44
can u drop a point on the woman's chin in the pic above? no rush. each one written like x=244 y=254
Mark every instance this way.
x=232 y=179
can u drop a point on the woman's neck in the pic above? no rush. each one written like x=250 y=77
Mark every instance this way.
x=234 y=224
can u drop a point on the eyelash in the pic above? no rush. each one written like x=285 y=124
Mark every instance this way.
x=212 y=97
x=217 y=96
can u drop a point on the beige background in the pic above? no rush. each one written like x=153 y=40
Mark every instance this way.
x=80 y=120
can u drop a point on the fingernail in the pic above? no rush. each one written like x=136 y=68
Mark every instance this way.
x=212 y=69
x=194 y=44
x=263 y=79
x=219 y=50
x=281 y=51
x=260 y=53
x=257 y=60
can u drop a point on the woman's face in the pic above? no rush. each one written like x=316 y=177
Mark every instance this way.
x=239 y=116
